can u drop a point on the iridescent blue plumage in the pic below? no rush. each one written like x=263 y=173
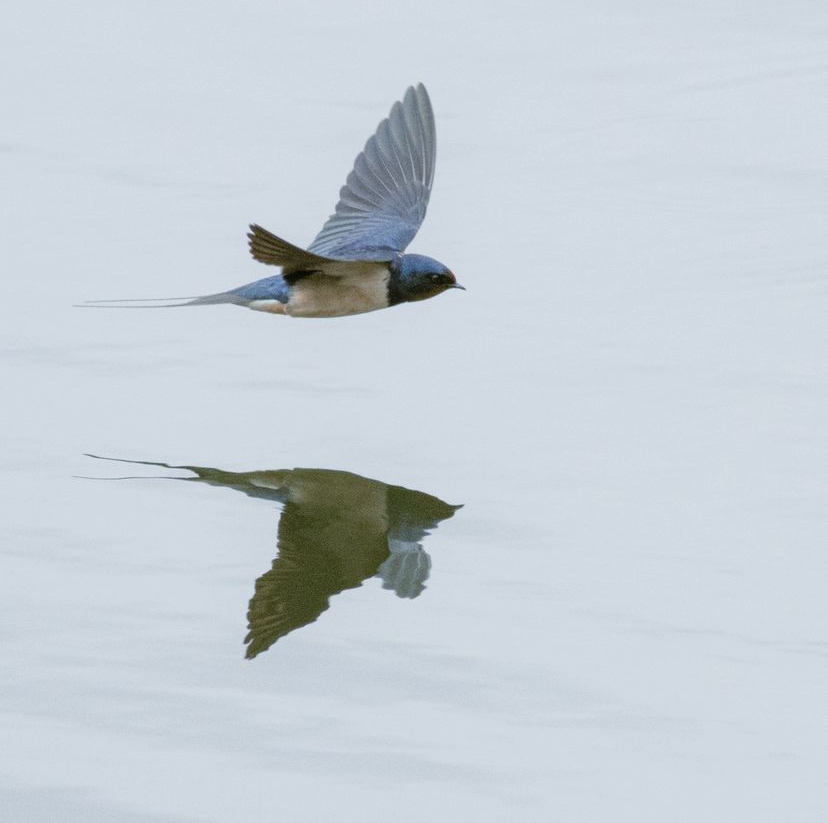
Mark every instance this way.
x=271 y=288
x=357 y=262
x=417 y=277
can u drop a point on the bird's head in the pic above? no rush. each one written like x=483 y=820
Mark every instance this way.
x=421 y=277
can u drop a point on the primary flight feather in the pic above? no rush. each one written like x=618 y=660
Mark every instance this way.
x=357 y=262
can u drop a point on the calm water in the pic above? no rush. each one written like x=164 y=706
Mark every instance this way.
x=626 y=620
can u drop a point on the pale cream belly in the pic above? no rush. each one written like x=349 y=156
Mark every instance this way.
x=273 y=306
x=321 y=295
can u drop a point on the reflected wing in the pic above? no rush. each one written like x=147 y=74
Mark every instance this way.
x=406 y=569
x=321 y=553
x=384 y=200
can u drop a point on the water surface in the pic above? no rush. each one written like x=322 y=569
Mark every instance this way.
x=627 y=618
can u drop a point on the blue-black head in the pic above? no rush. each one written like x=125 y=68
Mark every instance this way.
x=417 y=277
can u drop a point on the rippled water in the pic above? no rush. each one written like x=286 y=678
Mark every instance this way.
x=626 y=620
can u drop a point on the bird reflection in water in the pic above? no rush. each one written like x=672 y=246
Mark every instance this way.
x=336 y=530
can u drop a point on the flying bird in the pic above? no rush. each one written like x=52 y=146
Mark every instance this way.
x=357 y=262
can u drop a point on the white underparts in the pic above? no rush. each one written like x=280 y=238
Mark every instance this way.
x=342 y=289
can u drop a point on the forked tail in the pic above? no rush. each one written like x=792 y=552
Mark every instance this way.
x=163 y=302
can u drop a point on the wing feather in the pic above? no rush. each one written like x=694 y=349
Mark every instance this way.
x=268 y=248
x=384 y=200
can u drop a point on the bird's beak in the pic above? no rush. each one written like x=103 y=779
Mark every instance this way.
x=457 y=286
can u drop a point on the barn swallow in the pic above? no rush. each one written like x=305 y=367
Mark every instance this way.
x=336 y=530
x=356 y=263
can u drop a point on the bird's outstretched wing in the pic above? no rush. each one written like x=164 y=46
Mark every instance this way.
x=384 y=200
x=272 y=250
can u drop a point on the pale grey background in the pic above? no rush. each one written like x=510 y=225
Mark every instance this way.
x=628 y=619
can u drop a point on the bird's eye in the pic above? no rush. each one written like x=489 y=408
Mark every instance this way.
x=434 y=277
